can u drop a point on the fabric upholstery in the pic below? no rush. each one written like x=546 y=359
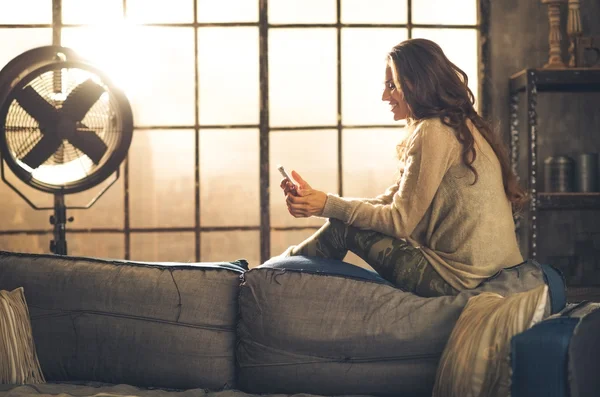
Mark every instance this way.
x=313 y=332
x=475 y=362
x=18 y=358
x=94 y=389
x=144 y=324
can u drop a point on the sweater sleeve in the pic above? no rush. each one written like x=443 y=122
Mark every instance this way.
x=431 y=152
x=384 y=198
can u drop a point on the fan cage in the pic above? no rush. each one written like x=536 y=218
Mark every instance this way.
x=68 y=170
x=68 y=164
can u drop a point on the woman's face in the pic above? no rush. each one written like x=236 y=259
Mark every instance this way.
x=394 y=96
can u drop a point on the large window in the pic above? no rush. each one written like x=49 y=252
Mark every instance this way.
x=222 y=91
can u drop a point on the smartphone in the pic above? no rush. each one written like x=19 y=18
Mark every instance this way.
x=286 y=175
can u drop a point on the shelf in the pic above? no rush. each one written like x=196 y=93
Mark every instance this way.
x=566 y=80
x=568 y=201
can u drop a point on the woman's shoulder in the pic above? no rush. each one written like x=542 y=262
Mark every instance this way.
x=433 y=130
x=431 y=123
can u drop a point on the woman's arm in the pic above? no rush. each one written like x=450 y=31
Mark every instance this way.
x=384 y=198
x=432 y=151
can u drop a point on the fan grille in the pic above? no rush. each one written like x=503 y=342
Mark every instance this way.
x=68 y=164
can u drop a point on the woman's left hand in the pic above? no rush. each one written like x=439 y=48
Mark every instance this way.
x=308 y=202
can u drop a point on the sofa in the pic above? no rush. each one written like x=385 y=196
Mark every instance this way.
x=288 y=327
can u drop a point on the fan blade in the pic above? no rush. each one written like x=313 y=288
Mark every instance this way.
x=81 y=100
x=89 y=143
x=42 y=151
x=43 y=112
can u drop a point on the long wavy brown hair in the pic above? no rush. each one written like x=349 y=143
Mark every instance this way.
x=433 y=86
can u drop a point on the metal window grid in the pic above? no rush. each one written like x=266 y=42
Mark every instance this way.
x=265 y=228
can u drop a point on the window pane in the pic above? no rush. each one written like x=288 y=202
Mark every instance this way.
x=282 y=239
x=229 y=178
x=159 y=11
x=229 y=246
x=229 y=94
x=15 y=213
x=107 y=212
x=460 y=46
x=92 y=11
x=313 y=154
x=302 y=77
x=364 y=54
x=161 y=178
x=374 y=11
x=378 y=165
x=96 y=245
x=92 y=44
x=227 y=10
x=302 y=11
x=25 y=12
x=163 y=247
x=15 y=41
x=154 y=65
x=34 y=244
x=456 y=12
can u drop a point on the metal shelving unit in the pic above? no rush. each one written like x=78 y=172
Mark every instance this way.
x=530 y=83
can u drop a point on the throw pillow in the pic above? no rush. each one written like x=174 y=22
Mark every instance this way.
x=475 y=361
x=18 y=359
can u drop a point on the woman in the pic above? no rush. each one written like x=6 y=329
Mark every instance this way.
x=447 y=224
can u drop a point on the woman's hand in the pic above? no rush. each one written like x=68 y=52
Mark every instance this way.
x=307 y=201
x=288 y=187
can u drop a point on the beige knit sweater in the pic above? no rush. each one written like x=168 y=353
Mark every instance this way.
x=465 y=231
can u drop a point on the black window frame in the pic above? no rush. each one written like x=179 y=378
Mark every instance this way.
x=265 y=228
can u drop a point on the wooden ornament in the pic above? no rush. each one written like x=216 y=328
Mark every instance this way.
x=554 y=38
x=574 y=31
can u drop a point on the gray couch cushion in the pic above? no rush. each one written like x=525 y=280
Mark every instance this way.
x=93 y=389
x=313 y=332
x=145 y=324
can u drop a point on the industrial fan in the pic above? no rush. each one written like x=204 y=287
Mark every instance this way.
x=64 y=127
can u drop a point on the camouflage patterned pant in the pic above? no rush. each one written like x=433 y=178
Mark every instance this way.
x=395 y=260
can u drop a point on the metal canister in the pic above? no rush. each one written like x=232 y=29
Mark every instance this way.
x=587 y=172
x=559 y=172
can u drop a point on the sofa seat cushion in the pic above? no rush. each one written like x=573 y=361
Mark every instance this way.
x=91 y=389
x=304 y=329
x=146 y=324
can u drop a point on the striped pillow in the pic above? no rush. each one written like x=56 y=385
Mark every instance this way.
x=17 y=351
x=475 y=362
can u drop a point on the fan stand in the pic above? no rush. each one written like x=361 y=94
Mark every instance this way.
x=59 y=244
x=59 y=220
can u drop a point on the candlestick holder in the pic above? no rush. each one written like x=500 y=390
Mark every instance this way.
x=554 y=38
x=574 y=30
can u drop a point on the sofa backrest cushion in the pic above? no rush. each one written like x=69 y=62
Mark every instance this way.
x=146 y=324
x=302 y=330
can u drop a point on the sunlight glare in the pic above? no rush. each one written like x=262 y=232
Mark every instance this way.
x=107 y=47
x=92 y=12
x=60 y=174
